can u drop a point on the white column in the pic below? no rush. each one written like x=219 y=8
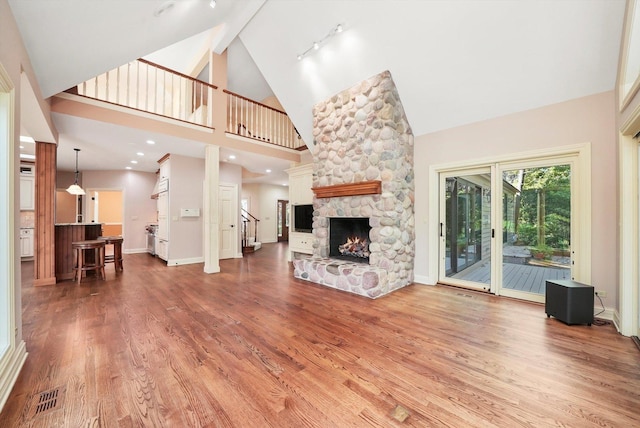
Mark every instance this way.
x=628 y=235
x=210 y=209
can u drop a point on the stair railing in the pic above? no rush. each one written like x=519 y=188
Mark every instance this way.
x=145 y=86
x=261 y=122
x=248 y=220
x=152 y=88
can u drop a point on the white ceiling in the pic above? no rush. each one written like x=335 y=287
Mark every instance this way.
x=454 y=62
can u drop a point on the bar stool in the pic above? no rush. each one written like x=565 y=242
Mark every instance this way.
x=95 y=261
x=116 y=257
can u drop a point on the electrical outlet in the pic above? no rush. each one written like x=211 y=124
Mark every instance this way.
x=601 y=293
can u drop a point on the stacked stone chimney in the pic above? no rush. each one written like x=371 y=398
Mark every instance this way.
x=362 y=135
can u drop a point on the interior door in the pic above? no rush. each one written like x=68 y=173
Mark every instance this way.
x=283 y=220
x=228 y=220
x=466 y=229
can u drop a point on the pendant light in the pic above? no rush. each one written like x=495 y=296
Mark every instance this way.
x=74 y=189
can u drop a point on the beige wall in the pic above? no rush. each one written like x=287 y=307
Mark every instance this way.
x=585 y=120
x=139 y=208
x=186 y=181
x=14 y=59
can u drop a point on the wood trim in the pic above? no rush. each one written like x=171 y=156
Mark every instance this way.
x=140 y=110
x=45 y=194
x=177 y=73
x=373 y=187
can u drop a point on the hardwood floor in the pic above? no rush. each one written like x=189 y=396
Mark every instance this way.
x=254 y=347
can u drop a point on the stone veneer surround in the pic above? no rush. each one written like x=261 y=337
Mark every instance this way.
x=362 y=134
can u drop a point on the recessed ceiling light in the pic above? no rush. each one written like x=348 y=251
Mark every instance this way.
x=268 y=170
x=212 y=4
x=127 y=167
x=284 y=184
x=232 y=157
x=134 y=161
x=24 y=139
x=140 y=154
x=150 y=142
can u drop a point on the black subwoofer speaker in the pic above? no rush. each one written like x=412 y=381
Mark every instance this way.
x=569 y=301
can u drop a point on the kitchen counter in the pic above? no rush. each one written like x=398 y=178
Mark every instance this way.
x=66 y=233
x=78 y=224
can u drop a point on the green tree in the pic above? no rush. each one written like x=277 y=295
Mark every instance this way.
x=545 y=205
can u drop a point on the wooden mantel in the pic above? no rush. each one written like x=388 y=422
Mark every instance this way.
x=373 y=187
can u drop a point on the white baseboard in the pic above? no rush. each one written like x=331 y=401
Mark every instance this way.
x=12 y=364
x=134 y=250
x=191 y=261
x=606 y=315
x=421 y=279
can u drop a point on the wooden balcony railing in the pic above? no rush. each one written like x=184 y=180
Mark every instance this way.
x=152 y=88
x=260 y=122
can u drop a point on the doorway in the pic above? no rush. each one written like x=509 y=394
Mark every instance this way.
x=229 y=235
x=507 y=227
x=283 y=220
x=106 y=207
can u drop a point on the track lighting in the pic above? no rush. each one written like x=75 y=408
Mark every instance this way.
x=318 y=44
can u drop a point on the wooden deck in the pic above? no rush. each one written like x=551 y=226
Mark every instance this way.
x=521 y=277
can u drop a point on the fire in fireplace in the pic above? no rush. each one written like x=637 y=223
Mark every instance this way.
x=349 y=238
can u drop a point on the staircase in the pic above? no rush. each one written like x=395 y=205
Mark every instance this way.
x=250 y=242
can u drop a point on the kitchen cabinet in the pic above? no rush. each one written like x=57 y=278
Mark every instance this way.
x=162 y=249
x=27 y=192
x=26 y=242
x=162 y=232
x=300 y=183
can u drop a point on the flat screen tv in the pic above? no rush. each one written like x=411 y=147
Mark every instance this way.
x=303 y=218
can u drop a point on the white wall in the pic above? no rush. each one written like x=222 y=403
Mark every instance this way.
x=264 y=205
x=139 y=208
x=585 y=120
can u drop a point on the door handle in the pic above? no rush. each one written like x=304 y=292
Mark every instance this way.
x=440 y=229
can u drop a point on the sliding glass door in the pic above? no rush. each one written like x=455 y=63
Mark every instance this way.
x=507 y=228
x=536 y=228
x=465 y=229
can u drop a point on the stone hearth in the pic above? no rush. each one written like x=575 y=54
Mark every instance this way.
x=361 y=135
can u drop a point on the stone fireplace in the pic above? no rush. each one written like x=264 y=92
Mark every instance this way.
x=363 y=169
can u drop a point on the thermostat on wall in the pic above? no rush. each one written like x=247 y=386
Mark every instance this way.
x=189 y=212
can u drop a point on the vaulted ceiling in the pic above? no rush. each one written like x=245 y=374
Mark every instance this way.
x=453 y=62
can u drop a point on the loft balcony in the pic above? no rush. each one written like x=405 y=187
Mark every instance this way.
x=151 y=88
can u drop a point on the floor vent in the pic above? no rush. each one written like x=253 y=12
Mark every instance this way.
x=45 y=402
x=399 y=413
